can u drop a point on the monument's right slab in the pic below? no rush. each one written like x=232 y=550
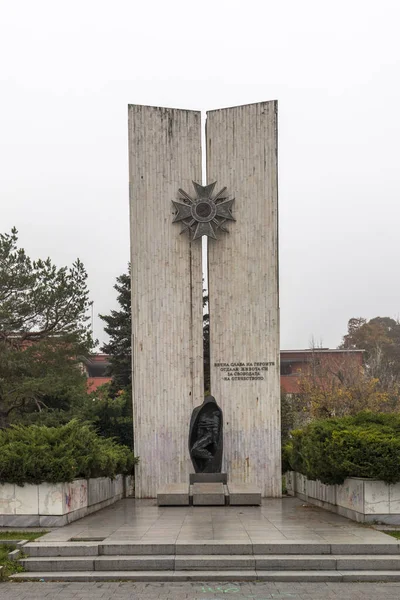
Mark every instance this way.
x=243 y=291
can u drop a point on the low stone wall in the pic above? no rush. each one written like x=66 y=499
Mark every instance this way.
x=56 y=504
x=363 y=500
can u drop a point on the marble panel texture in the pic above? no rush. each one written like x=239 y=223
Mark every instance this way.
x=394 y=498
x=75 y=495
x=99 y=489
x=300 y=483
x=7 y=499
x=27 y=499
x=167 y=299
x=51 y=496
x=351 y=494
x=290 y=481
x=243 y=293
x=357 y=498
x=50 y=504
x=376 y=497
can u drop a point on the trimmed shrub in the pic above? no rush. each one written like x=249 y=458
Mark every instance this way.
x=364 y=445
x=37 y=454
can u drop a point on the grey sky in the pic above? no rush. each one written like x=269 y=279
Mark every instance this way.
x=68 y=71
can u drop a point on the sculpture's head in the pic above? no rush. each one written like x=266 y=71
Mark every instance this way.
x=208 y=399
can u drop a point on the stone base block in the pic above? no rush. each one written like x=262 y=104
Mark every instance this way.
x=244 y=494
x=173 y=494
x=208 y=494
x=208 y=478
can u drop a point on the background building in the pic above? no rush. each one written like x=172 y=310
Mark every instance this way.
x=321 y=362
x=295 y=364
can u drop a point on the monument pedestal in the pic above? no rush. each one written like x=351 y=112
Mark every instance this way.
x=208 y=478
x=209 y=489
x=242 y=494
x=173 y=494
x=208 y=494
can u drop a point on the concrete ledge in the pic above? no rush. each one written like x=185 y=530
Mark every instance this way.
x=380 y=576
x=213 y=562
x=14 y=555
x=244 y=494
x=59 y=563
x=299 y=576
x=208 y=489
x=208 y=494
x=10 y=542
x=250 y=575
x=135 y=548
x=290 y=547
x=38 y=549
x=360 y=499
x=135 y=563
x=173 y=494
x=215 y=547
x=295 y=563
x=55 y=505
x=362 y=549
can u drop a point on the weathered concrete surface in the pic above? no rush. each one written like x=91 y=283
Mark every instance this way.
x=164 y=155
x=362 y=500
x=243 y=291
x=241 y=494
x=56 y=504
x=288 y=590
x=173 y=494
x=208 y=494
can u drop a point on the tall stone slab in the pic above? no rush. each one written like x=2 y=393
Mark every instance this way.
x=164 y=155
x=243 y=292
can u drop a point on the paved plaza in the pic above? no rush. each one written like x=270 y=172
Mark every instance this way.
x=199 y=591
x=277 y=520
x=111 y=542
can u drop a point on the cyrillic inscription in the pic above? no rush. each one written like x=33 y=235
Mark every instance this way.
x=243 y=371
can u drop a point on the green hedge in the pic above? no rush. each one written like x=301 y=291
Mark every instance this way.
x=364 y=445
x=35 y=454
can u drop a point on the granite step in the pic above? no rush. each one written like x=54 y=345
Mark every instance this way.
x=201 y=576
x=212 y=562
x=35 y=549
x=135 y=563
x=58 y=563
x=99 y=563
x=334 y=562
x=207 y=547
x=368 y=563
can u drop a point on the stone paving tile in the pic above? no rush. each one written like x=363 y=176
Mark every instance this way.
x=276 y=520
x=199 y=591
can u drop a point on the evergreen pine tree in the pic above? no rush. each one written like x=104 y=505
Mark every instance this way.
x=118 y=325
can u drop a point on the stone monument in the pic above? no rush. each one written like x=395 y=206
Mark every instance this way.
x=242 y=147
x=206 y=437
x=239 y=218
x=167 y=305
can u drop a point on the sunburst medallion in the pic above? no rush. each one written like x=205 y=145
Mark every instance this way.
x=203 y=214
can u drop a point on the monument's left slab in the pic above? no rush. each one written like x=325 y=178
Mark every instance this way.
x=173 y=494
x=164 y=155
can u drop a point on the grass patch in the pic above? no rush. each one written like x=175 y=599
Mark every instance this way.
x=13 y=566
x=9 y=566
x=21 y=535
x=395 y=534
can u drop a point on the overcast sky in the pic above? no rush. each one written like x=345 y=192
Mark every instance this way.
x=69 y=69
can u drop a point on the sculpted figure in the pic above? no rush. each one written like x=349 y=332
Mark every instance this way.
x=205 y=437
